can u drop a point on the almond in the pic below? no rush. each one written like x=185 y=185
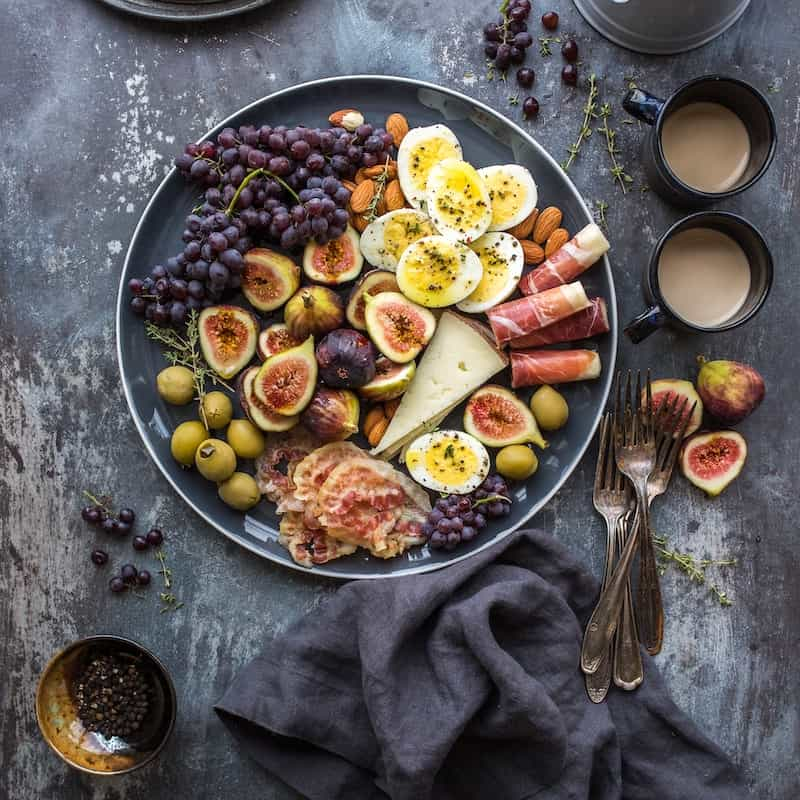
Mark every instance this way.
x=361 y=175
x=359 y=222
x=378 y=169
x=547 y=222
x=349 y=185
x=558 y=238
x=347 y=118
x=523 y=230
x=533 y=252
x=376 y=431
x=362 y=196
x=390 y=407
x=380 y=208
x=337 y=117
x=393 y=196
x=397 y=125
x=373 y=417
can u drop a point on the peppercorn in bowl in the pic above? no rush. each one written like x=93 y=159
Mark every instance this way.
x=106 y=705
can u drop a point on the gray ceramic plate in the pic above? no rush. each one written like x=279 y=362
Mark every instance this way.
x=185 y=10
x=487 y=138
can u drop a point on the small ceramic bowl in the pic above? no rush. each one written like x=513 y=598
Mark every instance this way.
x=58 y=720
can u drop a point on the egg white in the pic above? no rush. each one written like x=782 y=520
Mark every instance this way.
x=437 y=272
x=384 y=240
x=420 y=149
x=444 y=450
x=502 y=259
x=513 y=193
x=458 y=201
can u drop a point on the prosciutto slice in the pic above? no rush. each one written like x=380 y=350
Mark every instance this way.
x=589 y=322
x=568 y=262
x=535 y=367
x=528 y=314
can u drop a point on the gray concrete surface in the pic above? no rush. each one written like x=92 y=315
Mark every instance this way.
x=94 y=105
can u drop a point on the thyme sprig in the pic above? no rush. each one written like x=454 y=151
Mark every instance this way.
x=545 y=42
x=184 y=350
x=169 y=600
x=589 y=113
x=380 y=187
x=513 y=99
x=600 y=214
x=617 y=169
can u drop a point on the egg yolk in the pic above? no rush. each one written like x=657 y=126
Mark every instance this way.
x=448 y=461
x=432 y=267
x=460 y=199
x=495 y=272
x=401 y=231
x=507 y=195
x=425 y=155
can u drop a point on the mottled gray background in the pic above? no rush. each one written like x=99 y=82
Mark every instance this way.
x=94 y=106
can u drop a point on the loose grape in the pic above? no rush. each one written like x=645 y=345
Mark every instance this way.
x=525 y=77
x=570 y=50
x=550 y=20
x=569 y=74
x=530 y=107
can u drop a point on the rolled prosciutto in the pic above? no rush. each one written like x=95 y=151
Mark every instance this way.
x=534 y=367
x=528 y=314
x=589 y=322
x=568 y=262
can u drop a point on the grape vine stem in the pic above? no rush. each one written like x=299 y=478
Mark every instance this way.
x=254 y=174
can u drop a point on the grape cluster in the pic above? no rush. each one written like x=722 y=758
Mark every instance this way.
x=457 y=518
x=275 y=185
x=508 y=39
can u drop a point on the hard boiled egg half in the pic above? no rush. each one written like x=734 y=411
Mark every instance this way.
x=436 y=272
x=385 y=240
x=502 y=259
x=458 y=201
x=452 y=462
x=513 y=194
x=420 y=149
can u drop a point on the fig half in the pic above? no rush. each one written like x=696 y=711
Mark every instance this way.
x=398 y=327
x=286 y=381
x=269 y=279
x=334 y=262
x=711 y=461
x=668 y=389
x=391 y=380
x=257 y=412
x=228 y=336
x=497 y=417
x=275 y=339
x=374 y=282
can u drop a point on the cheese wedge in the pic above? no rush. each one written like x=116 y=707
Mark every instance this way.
x=460 y=358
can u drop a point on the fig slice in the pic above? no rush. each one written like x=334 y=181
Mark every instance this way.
x=275 y=339
x=391 y=380
x=372 y=283
x=257 y=412
x=269 y=279
x=228 y=336
x=398 y=327
x=334 y=262
x=286 y=381
x=497 y=417
x=711 y=461
x=668 y=390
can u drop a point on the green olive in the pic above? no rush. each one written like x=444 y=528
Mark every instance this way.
x=176 y=385
x=246 y=440
x=218 y=409
x=550 y=408
x=186 y=438
x=215 y=460
x=516 y=462
x=240 y=491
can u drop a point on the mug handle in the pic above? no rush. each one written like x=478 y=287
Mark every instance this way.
x=643 y=105
x=649 y=321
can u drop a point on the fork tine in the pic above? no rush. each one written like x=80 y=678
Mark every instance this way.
x=685 y=424
x=628 y=428
x=649 y=410
x=611 y=464
x=637 y=406
x=619 y=478
x=677 y=414
x=676 y=444
x=618 y=412
x=602 y=451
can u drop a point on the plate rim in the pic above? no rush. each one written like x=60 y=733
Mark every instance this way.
x=229 y=9
x=321 y=569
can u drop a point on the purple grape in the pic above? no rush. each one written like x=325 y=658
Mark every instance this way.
x=154 y=537
x=116 y=584
x=143 y=578
x=99 y=557
x=128 y=572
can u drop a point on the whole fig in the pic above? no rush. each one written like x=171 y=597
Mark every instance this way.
x=332 y=414
x=313 y=311
x=730 y=390
x=346 y=359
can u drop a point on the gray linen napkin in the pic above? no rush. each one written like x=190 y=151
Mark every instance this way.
x=461 y=684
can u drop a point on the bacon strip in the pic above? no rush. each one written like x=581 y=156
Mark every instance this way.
x=535 y=367
x=568 y=262
x=589 y=322
x=528 y=314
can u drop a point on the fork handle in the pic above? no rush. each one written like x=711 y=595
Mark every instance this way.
x=628 y=669
x=649 y=605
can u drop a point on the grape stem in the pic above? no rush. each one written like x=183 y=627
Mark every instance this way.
x=98 y=502
x=254 y=174
x=492 y=498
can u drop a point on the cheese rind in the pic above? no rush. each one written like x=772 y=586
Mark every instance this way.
x=460 y=358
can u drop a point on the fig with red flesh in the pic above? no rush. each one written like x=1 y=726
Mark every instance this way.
x=496 y=417
x=730 y=390
x=332 y=414
x=711 y=461
x=269 y=279
x=374 y=282
x=334 y=262
x=257 y=412
x=313 y=311
x=275 y=339
x=673 y=391
x=346 y=359
x=391 y=380
x=286 y=381
x=399 y=328
x=228 y=336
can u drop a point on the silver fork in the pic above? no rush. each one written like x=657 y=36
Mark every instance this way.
x=628 y=668
x=634 y=441
x=610 y=500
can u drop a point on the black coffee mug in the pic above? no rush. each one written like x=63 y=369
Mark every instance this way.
x=744 y=100
x=758 y=255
